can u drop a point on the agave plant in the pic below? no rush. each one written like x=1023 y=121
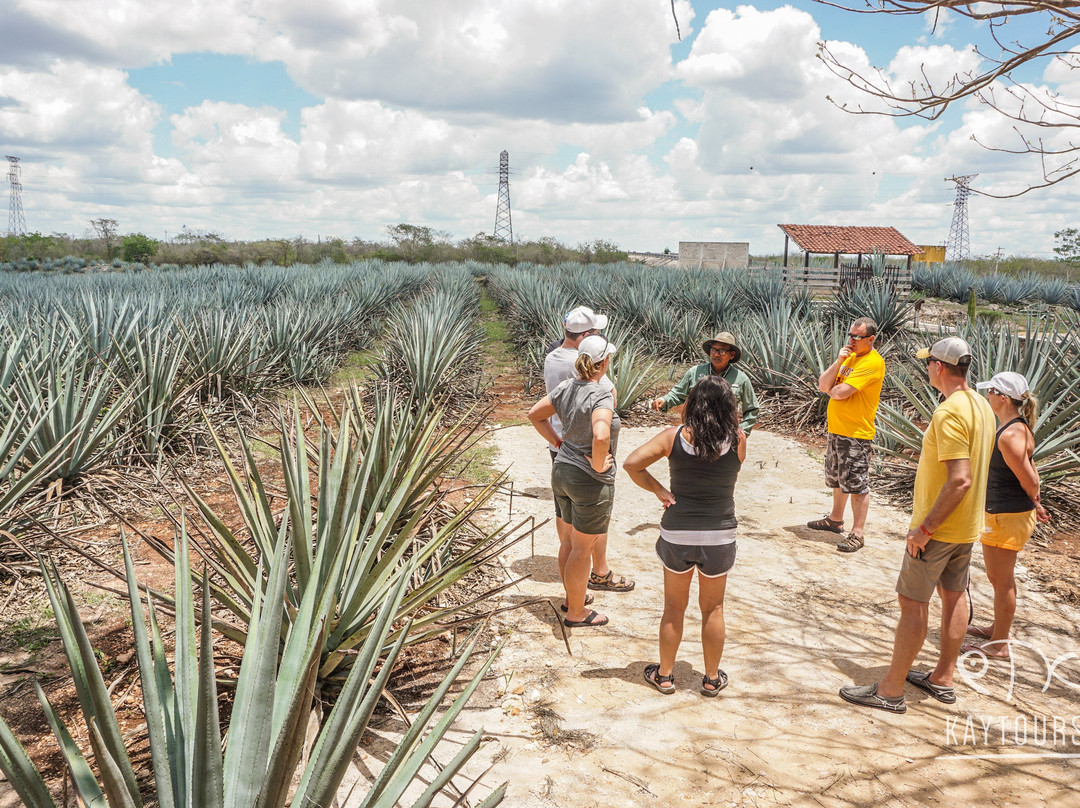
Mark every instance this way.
x=75 y=404
x=433 y=347
x=265 y=746
x=882 y=303
x=228 y=356
x=152 y=365
x=374 y=510
x=1054 y=291
x=635 y=376
x=671 y=334
x=784 y=357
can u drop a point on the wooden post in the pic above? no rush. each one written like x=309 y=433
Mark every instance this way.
x=786 y=237
x=836 y=260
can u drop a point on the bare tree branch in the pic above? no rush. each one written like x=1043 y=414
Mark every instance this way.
x=991 y=83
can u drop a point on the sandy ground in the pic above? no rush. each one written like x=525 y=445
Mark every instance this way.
x=802 y=621
x=583 y=729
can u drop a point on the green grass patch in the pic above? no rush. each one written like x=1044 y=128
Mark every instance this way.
x=356 y=367
x=497 y=342
x=33 y=632
x=477 y=464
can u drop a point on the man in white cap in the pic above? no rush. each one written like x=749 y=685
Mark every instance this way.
x=946 y=519
x=723 y=352
x=558 y=367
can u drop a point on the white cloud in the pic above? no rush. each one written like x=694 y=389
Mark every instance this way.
x=73 y=105
x=135 y=33
x=607 y=137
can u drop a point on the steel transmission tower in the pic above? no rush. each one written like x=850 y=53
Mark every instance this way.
x=16 y=219
x=958 y=247
x=504 y=228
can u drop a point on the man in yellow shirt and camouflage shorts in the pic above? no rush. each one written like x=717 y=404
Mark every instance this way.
x=853 y=385
x=946 y=518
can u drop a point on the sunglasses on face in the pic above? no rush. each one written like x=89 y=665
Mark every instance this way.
x=857 y=337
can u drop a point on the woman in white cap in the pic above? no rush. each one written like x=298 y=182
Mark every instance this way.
x=583 y=474
x=1012 y=503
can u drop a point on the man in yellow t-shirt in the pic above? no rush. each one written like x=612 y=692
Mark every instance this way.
x=853 y=385
x=950 y=489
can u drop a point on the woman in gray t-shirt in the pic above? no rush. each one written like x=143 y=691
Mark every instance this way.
x=583 y=474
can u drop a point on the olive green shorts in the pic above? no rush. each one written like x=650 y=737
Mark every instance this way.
x=581 y=499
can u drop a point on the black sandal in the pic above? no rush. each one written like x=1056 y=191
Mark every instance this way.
x=653 y=677
x=718 y=684
x=590 y=621
x=588 y=599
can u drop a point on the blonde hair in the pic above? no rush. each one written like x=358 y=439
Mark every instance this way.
x=1029 y=409
x=586 y=367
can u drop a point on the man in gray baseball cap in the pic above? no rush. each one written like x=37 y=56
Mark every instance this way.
x=946 y=518
x=723 y=352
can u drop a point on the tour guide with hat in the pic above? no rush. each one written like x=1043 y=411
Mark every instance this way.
x=723 y=352
x=946 y=518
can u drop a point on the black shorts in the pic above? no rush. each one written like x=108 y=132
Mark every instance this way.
x=711 y=560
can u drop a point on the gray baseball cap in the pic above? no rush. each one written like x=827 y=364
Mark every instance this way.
x=950 y=350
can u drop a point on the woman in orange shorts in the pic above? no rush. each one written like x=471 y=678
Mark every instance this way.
x=1012 y=503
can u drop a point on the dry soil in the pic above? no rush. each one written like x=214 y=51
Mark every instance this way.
x=584 y=729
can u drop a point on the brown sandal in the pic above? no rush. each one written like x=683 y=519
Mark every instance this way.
x=851 y=543
x=825 y=523
x=609 y=582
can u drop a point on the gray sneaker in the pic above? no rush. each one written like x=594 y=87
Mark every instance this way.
x=867 y=696
x=943 y=693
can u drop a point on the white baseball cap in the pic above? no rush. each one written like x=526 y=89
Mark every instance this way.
x=597 y=347
x=583 y=319
x=1011 y=384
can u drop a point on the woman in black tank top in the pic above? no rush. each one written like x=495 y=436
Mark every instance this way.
x=698 y=526
x=1012 y=503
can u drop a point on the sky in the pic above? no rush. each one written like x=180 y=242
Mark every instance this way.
x=273 y=118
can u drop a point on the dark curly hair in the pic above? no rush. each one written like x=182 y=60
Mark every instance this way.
x=712 y=416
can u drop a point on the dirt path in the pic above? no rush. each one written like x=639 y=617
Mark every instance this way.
x=802 y=621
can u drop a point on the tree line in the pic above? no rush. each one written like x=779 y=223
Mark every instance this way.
x=404 y=242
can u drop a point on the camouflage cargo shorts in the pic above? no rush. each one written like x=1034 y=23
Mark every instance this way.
x=847 y=464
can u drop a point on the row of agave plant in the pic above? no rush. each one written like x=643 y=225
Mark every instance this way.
x=106 y=372
x=661 y=316
x=787 y=339
x=953 y=282
x=322 y=585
